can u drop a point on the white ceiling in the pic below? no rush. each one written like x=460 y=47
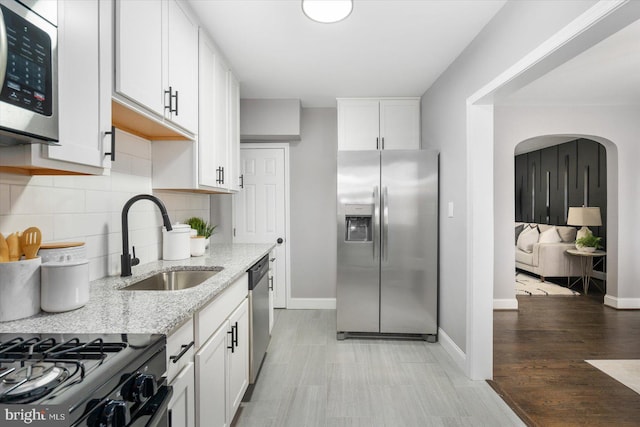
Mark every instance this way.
x=606 y=74
x=384 y=48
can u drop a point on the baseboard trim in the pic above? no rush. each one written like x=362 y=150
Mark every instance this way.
x=505 y=304
x=452 y=349
x=311 y=304
x=622 y=303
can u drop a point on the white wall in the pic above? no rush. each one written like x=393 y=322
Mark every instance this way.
x=617 y=128
x=88 y=208
x=517 y=29
x=221 y=212
x=313 y=163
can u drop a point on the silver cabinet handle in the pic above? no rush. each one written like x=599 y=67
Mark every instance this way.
x=271 y=283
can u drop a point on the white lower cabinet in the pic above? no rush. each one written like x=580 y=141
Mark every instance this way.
x=222 y=357
x=208 y=386
x=180 y=375
x=238 y=358
x=212 y=380
x=182 y=404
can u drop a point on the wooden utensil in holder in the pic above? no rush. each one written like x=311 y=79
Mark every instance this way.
x=30 y=241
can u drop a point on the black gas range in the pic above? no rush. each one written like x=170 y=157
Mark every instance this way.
x=83 y=380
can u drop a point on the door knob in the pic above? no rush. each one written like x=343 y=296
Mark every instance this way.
x=279 y=240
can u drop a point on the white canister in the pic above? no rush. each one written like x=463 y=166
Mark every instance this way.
x=62 y=251
x=198 y=245
x=176 y=243
x=64 y=285
x=19 y=289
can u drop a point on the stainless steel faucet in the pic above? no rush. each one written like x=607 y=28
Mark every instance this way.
x=127 y=260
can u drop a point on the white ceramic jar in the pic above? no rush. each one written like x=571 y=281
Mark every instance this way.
x=64 y=285
x=19 y=289
x=176 y=243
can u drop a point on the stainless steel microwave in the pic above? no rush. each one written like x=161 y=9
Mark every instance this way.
x=28 y=72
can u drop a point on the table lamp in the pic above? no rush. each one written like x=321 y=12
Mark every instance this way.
x=584 y=216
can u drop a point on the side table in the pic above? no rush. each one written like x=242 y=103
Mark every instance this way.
x=586 y=263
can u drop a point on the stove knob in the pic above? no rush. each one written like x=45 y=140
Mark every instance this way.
x=144 y=387
x=115 y=414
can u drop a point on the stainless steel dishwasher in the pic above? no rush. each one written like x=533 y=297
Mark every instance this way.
x=258 y=315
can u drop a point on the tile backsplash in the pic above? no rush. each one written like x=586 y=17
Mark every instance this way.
x=89 y=208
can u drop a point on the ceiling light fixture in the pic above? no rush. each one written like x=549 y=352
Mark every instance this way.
x=327 y=11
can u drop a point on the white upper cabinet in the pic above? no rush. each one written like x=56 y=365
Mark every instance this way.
x=235 y=181
x=209 y=164
x=379 y=124
x=157 y=59
x=84 y=88
x=358 y=124
x=208 y=174
x=139 y=52
x=182 y=68
x=220 y=121
x=85 y=99
x=400 y=124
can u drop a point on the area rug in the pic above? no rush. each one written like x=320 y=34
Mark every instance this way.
x=625 y=371
x=527 y=285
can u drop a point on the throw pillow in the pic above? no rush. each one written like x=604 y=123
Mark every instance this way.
x=544 y=227
x=567 y=234
x=519 y=229
x=527 y=238
x=550 y=236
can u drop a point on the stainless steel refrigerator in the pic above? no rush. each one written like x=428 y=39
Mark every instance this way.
x=387 y=281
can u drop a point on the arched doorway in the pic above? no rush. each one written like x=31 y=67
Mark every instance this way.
x=553 y=175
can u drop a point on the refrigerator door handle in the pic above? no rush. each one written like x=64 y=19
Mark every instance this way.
x=385 y=224
x=376 y=218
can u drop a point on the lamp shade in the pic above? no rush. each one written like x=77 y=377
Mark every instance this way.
x=584 y=216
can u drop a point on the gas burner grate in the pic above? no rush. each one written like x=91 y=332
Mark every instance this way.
x=36 y=348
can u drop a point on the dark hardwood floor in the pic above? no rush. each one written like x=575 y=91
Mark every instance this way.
x=539 y=361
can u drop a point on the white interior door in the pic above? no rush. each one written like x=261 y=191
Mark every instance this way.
x=261 y=209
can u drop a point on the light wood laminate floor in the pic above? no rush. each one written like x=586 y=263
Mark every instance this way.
x=311 y=379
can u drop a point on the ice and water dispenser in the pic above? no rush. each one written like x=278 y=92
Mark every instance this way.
x=358 y=225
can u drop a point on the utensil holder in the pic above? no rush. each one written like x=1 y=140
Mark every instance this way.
x=20 y=289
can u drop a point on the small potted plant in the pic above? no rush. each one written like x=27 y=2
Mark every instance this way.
x=203 y=230
x=588 y=243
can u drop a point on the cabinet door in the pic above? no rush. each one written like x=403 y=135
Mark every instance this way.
x=400 y=124
x=211 y=379
x=207 y=174
x=238 y=365
x=233 y=177
x=182 y=404
x=221 y=120
x=272 y=286
x=358 y=124
x=139 y=52
x=84 y=83
x=183 y=67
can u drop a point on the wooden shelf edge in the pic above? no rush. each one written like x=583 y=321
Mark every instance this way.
x=34 y=170
x=128 y=118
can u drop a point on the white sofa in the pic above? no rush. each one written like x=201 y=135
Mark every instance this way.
x=550 y=259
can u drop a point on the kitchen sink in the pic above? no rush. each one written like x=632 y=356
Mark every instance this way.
x=172 y=280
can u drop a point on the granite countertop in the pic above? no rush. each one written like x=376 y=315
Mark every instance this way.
x=110 y=310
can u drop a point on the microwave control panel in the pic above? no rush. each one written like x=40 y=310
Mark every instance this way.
x=27 y=82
